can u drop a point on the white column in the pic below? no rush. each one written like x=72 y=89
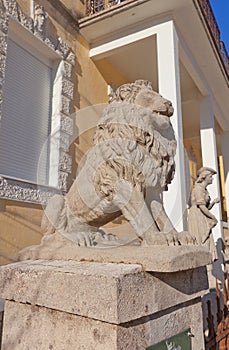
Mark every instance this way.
x=225 y=154
x=169 y=87
x=209 y=159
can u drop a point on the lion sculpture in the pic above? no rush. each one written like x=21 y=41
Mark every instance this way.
x=125 y=172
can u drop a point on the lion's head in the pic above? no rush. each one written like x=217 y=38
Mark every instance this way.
x=141 y=93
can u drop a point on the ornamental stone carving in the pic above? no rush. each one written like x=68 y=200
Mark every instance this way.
x=64 y=141
x=4 y=21
x=67 y=88
x=26 y=21
x=71 y=58
x=125 y=172
x=3 y=43
x=40 y=18
x=2 y=66
x=68 y=70
x=10 y=189
x=201 y=221
x=65 y=105
x=65 y=163
x=66 y=124
x=62 y=48
x=63 y=181
x=12 y=8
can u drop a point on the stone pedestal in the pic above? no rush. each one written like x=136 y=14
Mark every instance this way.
x=66 y=305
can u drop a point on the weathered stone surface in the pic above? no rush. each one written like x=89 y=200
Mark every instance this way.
x=4 y=21
x=65 y=105
x=3 y=43
x=39 y=328
x=2 y=65
x=12 y=8
x=132 y=159
x=65 y=163
x=66 y=124
x=64 y=141
x=165 y=325
x=42 y=329
x=62 y=48
x=26 y=21
x=63 y=181
x=67 y=88
x=114 y=293
x=1 y=98
x=67 y=70
x=71 y=58
x=40 y=19
x=51 y=42
x=200 y=220
x=155 y=258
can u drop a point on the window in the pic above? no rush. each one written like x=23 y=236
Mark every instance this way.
x=27 y=109
x=25 y=123
x=37 y=94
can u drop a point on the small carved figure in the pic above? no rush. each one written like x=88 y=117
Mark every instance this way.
x=39 y=21
x=125 y=172
x=200 y=219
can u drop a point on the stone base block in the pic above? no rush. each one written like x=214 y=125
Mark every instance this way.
x=38 y=328
x=81 y=305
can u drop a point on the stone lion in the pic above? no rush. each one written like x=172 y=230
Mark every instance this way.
x=125 y=172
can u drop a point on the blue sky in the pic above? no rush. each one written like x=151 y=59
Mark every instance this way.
x=221 y=12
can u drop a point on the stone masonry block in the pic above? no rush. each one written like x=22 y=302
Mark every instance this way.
x=67 y=88
x=65 y=105
x=2 y=66
x=66 y=124
x=26 y=21
x=65 y=163
x=63 y=181
x=3 y=43
x=64 y=141
x=71 y=58
x=114 y=293
x=4 y=21
x=12 y=8
x=39 y=328
x=67 y=70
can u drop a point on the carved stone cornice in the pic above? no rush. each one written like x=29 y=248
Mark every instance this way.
x=24 y=191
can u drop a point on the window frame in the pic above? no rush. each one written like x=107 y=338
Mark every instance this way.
x=62 y=59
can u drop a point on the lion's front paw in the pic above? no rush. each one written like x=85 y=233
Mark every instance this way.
x=82 y=239
x=170 y=239
x=180 y=238
x=153 y=238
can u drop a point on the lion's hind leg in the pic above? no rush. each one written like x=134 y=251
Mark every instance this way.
x=132 y=204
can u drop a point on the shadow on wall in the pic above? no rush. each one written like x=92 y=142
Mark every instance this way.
x=217 y=267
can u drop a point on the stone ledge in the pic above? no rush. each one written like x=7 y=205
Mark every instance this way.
x=114 y=293
x=153 y=258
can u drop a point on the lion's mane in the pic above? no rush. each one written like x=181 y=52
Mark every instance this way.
x=134 y=147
